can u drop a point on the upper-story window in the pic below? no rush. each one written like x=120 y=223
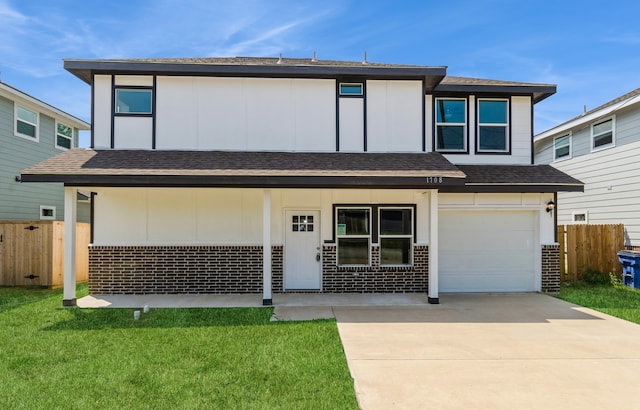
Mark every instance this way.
x=493 y=125
x=133 y=101
x=562 y=147
x=451 y=124
x=64 y=136
x=26 y=124
x=602 y=135
x=351 y=89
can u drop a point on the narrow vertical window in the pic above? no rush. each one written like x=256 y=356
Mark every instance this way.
x=602 y=134
x=353 y=232
x=451 y=124
x=26 y=124
x=396 y=236
x=493 y=125
x=562 y=147
x=64 y=136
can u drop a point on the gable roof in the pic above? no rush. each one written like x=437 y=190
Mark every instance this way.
x=434 y=76
x=160 y=168
x=14 y=94
x=601 y=111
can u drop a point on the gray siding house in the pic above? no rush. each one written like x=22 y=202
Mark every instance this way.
x=600 y=148
x=32 y=131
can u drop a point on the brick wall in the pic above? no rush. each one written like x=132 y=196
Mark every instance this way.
x=551 y=269
x=375 y=278
x=175 y=269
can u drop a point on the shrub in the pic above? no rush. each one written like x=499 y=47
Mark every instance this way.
x=595 y=277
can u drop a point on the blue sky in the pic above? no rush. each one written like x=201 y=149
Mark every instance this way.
x=590 y=49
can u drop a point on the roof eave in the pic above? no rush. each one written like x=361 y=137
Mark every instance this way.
x=85 y=69
x=538 y=92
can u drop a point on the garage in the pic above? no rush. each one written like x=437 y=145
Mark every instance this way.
x=487 y=251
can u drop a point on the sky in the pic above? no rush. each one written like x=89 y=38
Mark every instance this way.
x=589 y=49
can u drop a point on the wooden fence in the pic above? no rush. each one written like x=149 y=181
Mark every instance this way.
x=32 y=253
x=589 y=247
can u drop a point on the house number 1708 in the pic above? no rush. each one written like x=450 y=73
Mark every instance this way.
x=434 y=180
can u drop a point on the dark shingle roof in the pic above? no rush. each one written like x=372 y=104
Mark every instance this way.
x=480 y=85
x=516 y=175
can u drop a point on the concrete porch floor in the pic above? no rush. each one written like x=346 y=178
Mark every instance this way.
x=288 y=306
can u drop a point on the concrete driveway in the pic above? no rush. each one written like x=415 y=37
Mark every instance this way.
x=491 y=352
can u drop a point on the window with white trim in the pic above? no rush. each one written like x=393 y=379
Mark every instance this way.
x=562 y=147
x=133 y=101
x=451 y=124
x=26 y=124
x=602 y=134
x=47 y=212
x=353 y=235
x=396 y=236
x=580 y=217
x=493 y=125
x=64 y=136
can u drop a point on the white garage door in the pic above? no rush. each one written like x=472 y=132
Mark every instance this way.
x=487 y=251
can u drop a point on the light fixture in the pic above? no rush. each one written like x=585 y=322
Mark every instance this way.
x=550 y=206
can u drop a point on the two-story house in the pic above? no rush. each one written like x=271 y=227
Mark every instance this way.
x=270 y=175
x=601 y=148
x=30 y=132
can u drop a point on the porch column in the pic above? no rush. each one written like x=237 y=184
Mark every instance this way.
x=433 y=247
x=266 y=248
x=70 y=218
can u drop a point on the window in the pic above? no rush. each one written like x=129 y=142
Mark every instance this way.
x=493 y=125
x=580 y=217
x=451 y=124
x=562 y=147
x=347 y=89
x=302 y=223
x=396 y=236
x=26 y=123
x=133 y=101
x=602 y=134
x=47 y=212
x=353 y=235
x=64 y=136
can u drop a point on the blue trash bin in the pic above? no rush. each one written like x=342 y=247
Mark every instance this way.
x=630 y=261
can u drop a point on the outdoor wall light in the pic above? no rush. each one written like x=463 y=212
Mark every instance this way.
x=550 y=206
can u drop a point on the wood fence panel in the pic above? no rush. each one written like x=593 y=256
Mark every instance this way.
x=32 y=253
x=589 y=247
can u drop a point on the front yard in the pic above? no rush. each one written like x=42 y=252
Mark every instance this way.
x=615 y=300
x=54 y=357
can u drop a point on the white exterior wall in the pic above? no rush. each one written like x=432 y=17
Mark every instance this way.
x=101 y=127
x=611 y=191
x=394 y=116
x=351 y=124
x=172 y=216
x=245 y=114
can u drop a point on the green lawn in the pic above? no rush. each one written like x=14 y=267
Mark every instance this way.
x=68 y=358
x=619 y=301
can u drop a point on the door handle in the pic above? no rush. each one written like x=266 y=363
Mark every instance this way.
x=318 y=257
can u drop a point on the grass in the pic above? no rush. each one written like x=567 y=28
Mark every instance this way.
x=53 y=357
x=613 y=299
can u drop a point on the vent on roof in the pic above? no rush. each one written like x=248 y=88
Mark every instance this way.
x=279 y=59
x=315 y=57
x=365 y=62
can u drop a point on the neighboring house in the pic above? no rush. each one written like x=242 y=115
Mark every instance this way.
x=601 y=148
x=30 y=132
x=265 y=175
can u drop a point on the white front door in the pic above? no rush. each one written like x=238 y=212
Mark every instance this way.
x=302 y=250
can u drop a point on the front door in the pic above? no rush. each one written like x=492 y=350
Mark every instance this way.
x=302 y=252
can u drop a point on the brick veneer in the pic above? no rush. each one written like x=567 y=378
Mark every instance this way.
x=175 y=269
x=551 y=269
x=375 y=278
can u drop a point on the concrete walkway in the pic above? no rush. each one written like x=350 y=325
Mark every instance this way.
x=524 y=351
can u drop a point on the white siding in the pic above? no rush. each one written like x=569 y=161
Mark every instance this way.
x=394 y=116
x=351 y=124
x=611 y=193
x=135 y=80
x=245 y=114
x=429 y=121
x=133 y=132
x=102 y=111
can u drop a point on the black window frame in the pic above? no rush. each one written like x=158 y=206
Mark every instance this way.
x=507 y=126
